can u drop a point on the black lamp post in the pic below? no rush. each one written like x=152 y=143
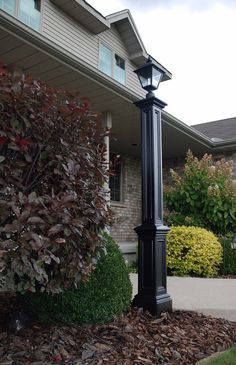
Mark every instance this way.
x=152 y=294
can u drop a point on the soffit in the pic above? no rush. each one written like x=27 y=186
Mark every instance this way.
x=84 y=14
x=129 y=33
x=31 y=56
x=125 y=137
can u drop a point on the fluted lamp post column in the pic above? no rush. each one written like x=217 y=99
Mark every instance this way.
x=152 y=291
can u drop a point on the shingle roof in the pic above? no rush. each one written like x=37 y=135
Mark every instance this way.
x=219 y=130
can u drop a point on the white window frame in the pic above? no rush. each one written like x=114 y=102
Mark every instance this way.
x=17 y=13
x=112 y=63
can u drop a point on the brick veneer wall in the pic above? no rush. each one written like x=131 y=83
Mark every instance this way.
x=178 y=164
x=128 y=213
x=229 y=156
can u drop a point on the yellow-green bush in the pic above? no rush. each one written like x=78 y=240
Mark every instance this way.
x=193 y=251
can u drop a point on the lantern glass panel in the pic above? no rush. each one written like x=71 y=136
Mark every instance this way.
x=157 y=75
x=145 y=77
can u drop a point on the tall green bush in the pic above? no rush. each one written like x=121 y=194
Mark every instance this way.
x=193 y=251
x=106 y=295
x=203 y=195
x=52 y=175
x=229 y=256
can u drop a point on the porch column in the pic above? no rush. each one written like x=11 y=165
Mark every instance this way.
x=107 y=125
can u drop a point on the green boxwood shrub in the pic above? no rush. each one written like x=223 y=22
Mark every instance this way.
x=106 y=295
x=193 y=251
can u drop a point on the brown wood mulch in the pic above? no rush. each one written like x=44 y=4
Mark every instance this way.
x=178 y=338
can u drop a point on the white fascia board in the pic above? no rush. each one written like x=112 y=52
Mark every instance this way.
x=93 y=21
x=140 y=57
x=126 y=14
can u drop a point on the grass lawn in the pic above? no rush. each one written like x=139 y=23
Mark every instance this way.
x=227 y=358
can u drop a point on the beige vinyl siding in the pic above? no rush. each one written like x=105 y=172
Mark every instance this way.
x=66 y=32
x=112 y=39
x=74 y=38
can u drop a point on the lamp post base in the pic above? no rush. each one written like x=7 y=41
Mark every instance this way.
x=152 y=294
x=155 y=305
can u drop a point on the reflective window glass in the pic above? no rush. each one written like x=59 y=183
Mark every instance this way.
x=8 y=5
x=105 y=60
x=119 y=69
x=29 y=13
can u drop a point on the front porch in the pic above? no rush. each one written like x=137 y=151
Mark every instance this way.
x=41 y=57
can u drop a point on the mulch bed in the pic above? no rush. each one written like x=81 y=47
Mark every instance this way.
x=137 y=338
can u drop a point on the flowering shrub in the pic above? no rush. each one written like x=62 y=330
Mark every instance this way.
x=52 y=175
x=204 y=195
x=193 y=251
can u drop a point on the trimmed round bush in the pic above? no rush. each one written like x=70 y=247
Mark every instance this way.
x=193 y=251
x=105 y=296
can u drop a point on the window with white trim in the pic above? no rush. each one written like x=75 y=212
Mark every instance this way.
x=27 y=11
x=8 y=5
x=115 y=180
x=111 y=63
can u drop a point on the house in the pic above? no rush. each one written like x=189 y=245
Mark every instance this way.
x=70 y=45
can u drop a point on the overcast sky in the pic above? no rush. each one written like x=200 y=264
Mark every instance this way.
x=196 y=41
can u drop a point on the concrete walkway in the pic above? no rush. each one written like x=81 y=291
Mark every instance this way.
x=215 y=297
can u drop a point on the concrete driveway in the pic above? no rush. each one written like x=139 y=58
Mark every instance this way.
x=215 y=297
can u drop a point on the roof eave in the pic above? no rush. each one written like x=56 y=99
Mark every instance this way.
x=38 y=41
x=220 y=146
x=141 y=56
x=94 y=21
x=178 y=124
x=229 y=144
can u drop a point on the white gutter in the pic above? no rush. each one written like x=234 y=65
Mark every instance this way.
x=196 y=135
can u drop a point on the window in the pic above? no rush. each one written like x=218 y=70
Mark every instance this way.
x=105 y=60
x=115 y=180
x=111 y=64
x=8 y=5
x=119 y=69
x=28 y=11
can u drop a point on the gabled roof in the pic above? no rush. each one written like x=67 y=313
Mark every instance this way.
x=96 y=23
x=126 y=26
x=219 y=130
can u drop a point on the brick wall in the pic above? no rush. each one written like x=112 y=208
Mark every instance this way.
x=229 y=156
x=128 y=213
x=178 y=164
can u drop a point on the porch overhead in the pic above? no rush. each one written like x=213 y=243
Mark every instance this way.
x=42 y=58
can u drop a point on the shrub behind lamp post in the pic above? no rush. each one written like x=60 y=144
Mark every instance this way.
x=233 y=244
x=152 y=294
